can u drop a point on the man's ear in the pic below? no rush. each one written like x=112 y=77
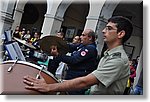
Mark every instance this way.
x=121 y=34
x=90 y=38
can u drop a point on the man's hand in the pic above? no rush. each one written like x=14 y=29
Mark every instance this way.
x=35 y=84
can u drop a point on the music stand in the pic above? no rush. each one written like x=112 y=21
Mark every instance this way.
x=8 y=36
x=14 y=51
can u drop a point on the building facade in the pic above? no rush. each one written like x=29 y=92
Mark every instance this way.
x=72 y=17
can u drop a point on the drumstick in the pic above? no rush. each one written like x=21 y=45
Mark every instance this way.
x=38 y=75
x=11 y=67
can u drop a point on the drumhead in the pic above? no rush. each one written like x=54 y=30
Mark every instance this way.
x=13 y=81
x=32 y=65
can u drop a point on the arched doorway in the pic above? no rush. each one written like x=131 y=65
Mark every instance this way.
x=74 y=20
x=33 y=15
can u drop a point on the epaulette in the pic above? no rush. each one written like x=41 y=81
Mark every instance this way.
x=116 y=55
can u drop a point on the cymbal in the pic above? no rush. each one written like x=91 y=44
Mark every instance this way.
x=48 y=41
x=24 y=43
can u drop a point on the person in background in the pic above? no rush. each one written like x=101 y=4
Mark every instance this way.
x=134 y=63
x=74 y=45
x=23 y=32
x=138 y=90
x=27 y=36
x=34 y=29
x=112 y=73
x=131 y=78
x=57 y=68
x=35 y=40
x=132 y=72
x=36 y=37
x=60 y=34
x=76 y=40
x=17 y=32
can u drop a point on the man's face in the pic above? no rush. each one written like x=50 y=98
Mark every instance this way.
x=36 y=35
x=85 y=38
x=76 y=39
x=110 y=32
x=59 y=35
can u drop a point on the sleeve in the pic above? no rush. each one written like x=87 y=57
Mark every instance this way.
x=78 y=56
x=109 y=72
x=73 y=47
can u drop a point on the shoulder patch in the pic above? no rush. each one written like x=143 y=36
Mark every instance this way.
x=83 y=53
x=116 y=55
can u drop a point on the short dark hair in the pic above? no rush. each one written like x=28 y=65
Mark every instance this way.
x=61 y=33
x=122 y=23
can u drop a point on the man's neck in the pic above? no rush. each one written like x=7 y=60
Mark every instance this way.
x=88 y=43
x=113 y=45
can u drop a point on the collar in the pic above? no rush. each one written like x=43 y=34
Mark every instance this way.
x=81 y=45
x=116 y=49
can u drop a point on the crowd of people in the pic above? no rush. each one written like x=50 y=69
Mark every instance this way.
x=133 y=66
x=83 y=74
x=27 y=35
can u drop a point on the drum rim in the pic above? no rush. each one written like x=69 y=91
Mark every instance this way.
x=32 y=65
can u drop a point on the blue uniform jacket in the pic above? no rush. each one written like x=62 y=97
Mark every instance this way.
x=82 y=60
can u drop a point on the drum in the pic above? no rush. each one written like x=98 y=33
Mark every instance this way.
x=13 y=80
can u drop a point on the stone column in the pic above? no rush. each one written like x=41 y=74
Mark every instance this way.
x=94 y=13
x=95 y=22
x=54 y=17
x=51 y=25
x=49 y=17
x=18 y=12
x=105 y=9
x=6 y=14
x=100 y=26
